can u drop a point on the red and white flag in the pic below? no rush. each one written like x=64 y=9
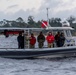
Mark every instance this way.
x=44 y=24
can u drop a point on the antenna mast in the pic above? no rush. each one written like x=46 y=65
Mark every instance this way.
x=47 y=16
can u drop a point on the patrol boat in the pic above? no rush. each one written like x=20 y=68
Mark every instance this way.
x=68 y=48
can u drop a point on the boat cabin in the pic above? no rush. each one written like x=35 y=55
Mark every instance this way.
x=66 y=29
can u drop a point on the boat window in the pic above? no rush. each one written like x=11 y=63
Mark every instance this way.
x=68 y=33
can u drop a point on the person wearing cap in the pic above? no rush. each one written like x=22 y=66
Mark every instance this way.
x=41 y=40
x=32 y=41
x=50 y=40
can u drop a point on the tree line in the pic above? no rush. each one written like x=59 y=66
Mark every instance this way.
x=19 y=22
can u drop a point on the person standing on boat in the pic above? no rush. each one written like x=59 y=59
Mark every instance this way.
x=57 y=39
x=62 y=39
x=20 y=40
x=41 y=40
x=32 y=40
x=50 y=40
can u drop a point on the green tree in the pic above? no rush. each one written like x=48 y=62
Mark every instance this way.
x=71 y=19
x=20 y=20
x=55 y=22
x=31 y=21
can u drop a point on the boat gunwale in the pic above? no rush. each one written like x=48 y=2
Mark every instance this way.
x=37 y=49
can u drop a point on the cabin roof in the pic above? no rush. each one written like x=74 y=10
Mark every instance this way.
x=49 y=28
x=60 y=28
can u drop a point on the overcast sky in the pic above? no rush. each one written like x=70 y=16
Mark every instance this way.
x=12 y=9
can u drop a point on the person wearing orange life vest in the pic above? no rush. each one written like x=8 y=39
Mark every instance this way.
x=32 y=40
x=50 y=40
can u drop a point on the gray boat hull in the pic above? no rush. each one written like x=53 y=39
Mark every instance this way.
x=33 y=53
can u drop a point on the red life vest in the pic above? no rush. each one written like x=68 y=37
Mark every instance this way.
x=32 y=40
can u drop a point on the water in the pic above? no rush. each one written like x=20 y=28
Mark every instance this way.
x=41 y=66
x=66 y=66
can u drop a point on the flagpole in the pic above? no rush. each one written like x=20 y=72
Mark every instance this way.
x=47 y=16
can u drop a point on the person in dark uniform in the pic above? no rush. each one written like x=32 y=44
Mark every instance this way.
x=62 y=39
x=20 y=40
x=41 y=40
x=57 y=39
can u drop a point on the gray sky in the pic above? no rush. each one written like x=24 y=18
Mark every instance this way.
x=12 y=9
